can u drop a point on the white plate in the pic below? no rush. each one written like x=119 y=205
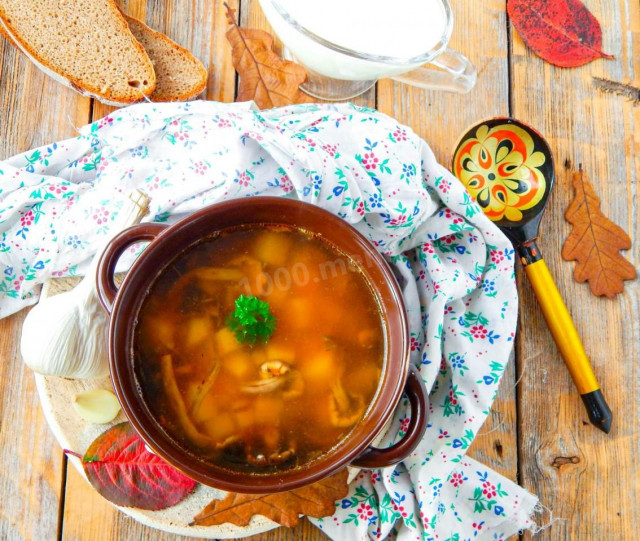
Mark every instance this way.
x=74 y=433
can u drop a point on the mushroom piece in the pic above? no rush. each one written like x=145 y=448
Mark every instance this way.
x=204 y=388
x=273 y=375
x=345 y=409
x=273 y=459
x=256 y=453
x=271 y=369
x=256 y=279
x=177 y=403
x=230 y=440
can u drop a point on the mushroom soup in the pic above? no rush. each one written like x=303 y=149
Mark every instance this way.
x=259 y=348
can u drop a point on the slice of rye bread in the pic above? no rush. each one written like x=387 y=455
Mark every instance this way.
x=179 y=75
x=84 y=44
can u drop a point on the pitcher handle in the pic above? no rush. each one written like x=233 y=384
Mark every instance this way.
x=457 y=75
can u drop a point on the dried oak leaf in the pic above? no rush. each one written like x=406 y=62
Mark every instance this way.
x=595 y=242
x=265 y=78
x=316 y=500
x=562 y=32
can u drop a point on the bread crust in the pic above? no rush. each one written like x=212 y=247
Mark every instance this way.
x=85 y=87
x=197 y=65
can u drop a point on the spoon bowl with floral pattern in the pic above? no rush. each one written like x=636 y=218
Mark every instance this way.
x=508 y=168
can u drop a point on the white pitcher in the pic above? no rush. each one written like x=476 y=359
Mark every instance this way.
x=347 y=45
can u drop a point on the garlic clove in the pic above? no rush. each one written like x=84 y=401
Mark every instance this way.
x=98 y=406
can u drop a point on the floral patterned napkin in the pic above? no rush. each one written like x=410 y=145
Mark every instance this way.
x=58 y=203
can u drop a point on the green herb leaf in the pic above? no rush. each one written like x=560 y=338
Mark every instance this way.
x=251 y=321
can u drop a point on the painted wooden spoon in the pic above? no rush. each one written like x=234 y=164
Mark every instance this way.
x=508 y=168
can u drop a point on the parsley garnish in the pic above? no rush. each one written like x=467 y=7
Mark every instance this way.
x=251 y=321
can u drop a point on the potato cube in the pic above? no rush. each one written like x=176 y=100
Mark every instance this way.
x=300 y=313
x=239 y=363
x=278 y=351
x=268 y=410
x=220 y=427
x=198 y=330
x=226 y=341
x=161 y=332
x=244 y=419
x=368 y=338
x=278 y=298
x=319 y=369
x=272 y=248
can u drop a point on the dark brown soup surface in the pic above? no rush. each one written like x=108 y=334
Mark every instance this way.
x=274 y=404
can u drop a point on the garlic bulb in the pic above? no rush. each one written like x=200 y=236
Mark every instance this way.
x=66 y=335
x=98 y=406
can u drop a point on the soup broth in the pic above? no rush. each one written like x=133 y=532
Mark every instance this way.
x=274 y=404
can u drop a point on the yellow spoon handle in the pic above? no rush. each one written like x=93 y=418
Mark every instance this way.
x=561 y=326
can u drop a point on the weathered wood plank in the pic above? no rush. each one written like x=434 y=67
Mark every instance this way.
x=89 y=516
x=441 y=118
x=588 y=479
x=200 y=27
x=30 y=459
x=34 y=110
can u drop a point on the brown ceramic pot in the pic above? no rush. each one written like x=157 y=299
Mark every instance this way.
x=166 y=242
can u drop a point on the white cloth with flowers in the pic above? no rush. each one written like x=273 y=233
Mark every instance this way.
x=58 y=203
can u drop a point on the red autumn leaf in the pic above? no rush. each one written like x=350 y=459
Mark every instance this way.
x=562 y=32
x=121 y=469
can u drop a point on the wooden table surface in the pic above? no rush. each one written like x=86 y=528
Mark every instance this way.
x=538 y=432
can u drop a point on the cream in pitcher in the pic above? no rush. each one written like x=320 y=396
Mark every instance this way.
x=346 y=45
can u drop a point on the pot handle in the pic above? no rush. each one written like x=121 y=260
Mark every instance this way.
x=373 y=457
x=105 y=284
